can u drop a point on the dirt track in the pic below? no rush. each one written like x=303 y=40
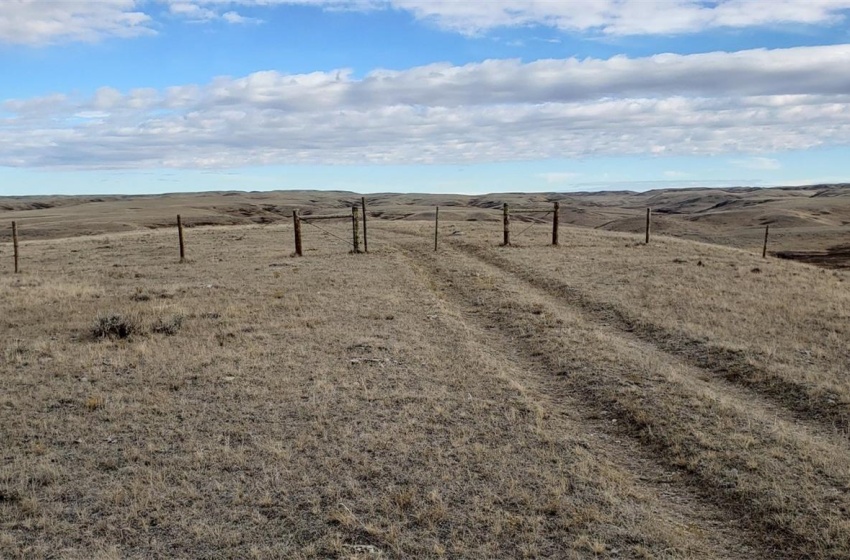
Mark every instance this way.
x=659 y=399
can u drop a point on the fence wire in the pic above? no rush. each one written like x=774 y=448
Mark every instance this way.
x=346 y=241
x=533 y=223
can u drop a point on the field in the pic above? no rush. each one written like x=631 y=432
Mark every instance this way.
x=599 y=399
x=809 y=223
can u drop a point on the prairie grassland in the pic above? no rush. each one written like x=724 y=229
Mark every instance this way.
x=777 y=328
x=731 y=367
x=482 y=402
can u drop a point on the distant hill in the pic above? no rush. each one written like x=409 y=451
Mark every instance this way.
x=806 y=218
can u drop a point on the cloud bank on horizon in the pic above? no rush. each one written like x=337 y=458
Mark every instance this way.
x=609 y=83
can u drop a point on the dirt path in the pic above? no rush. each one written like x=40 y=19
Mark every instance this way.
x=719 y=532
x=716 y=449
x=823 y=417
x=822 y=410
x=822 y=414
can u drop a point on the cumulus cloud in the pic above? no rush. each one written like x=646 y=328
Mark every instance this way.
x=36 y=22
x=751 y=102
x=198 y=13
x=608 y=17
x=39 y=22
x=192 y=11
x=234 y=17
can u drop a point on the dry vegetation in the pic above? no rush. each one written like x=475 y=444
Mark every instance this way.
x=808 y=223
x=599 y=399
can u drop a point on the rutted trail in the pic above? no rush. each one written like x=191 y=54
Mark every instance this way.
x=725 y=370
x=788 y=483
x=825 y=414
x=821 y=406
x=713 y=529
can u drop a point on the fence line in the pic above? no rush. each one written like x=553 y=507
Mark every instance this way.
x=764 y=248
x=15 y=244
x=296 y=225
x=360 y=212
x=506 y=221
x=506 y=225
x=180 y=237
x=355 y=230
x=328 y=217
x=556 y=219
x=436 y=227
x=365 y=236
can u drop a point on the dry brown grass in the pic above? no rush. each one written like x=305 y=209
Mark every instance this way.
x=778 y=328
x=403 y=404
x=808 y=219
x=702 y=362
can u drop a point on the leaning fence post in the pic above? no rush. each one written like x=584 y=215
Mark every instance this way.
x=555 y=218
x=436 y=227
x=365 y=237
x=507 y=225
x=15 y=244
x=180 y=237
x=764 y=249
x=354 y=229
x=648 y=213
x=296 y=224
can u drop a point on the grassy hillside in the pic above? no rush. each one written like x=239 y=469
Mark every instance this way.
x=810 y=219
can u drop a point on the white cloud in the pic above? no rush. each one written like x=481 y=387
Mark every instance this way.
x=40 y=22
x=782 y=74
x=750 y=102
x=197 y=13
x=233 y=17
x=192 y=12
x=608 y=17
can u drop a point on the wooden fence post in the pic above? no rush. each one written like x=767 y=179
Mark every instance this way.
x=555 y=219
x=764 y=249
x=648 y=214
x=15 y=244
x=436 y=227
x=365 y=236
x=355 y=229
x=507 y=225
x=180 y=236
x=296 y=223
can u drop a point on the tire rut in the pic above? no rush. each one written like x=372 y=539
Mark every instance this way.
x=722 y=367
x=814 y=527
x=829 y=410
x=679 y=498
x=825 y=408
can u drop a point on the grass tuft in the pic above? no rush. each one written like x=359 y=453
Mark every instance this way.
x=94 y=402
x=114 y=325
x=168 y=326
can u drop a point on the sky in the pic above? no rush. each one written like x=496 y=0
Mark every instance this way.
x=465 y=96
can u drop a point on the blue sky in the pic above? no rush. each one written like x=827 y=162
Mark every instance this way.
x=144 y=96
